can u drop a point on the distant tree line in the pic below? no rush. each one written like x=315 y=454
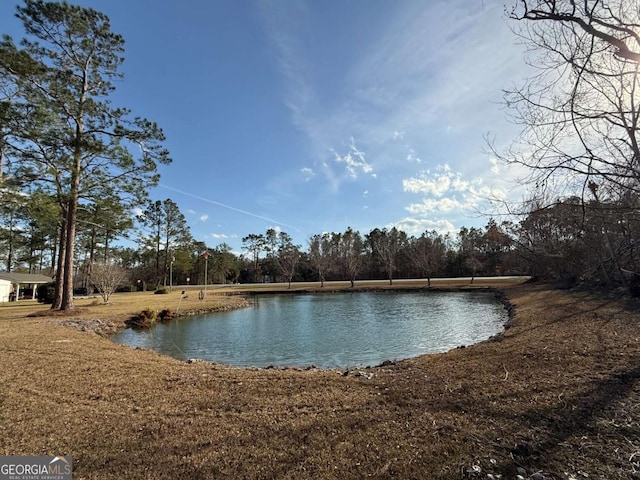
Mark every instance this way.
x=556 y=243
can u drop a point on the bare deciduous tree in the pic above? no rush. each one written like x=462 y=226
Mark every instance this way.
x=348 y=247
x=107 y=277
x=320 y=254
x=580 y=114
x=288 y=256
x=427 y=252
x=581 y=110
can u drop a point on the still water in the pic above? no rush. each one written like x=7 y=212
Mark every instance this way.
x=329 y=330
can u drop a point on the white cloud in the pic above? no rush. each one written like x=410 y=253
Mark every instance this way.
x=436 y=184
x=430 y=205
x=458 y=184
x=416 y=226
x=411 y=156
x=427 y=85
x=307 y=173
x=220 y=236
x=204 y=217
x=487 y=193
x=447 y=193
x=446 y=187
x=354 y=160
x=495 y=166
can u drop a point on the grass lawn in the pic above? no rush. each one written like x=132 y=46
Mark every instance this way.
x=557 y=395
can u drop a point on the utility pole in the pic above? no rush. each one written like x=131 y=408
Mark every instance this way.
x=206 y=268
x=173 y=259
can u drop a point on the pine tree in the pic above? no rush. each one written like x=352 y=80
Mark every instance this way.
x=72 y=140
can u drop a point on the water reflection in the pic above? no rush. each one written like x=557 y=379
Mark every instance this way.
x=329 y=330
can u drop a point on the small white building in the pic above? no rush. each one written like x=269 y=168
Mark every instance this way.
x=5 y=290
x=14 y=286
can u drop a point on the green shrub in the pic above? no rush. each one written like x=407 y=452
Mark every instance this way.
x=161 y=290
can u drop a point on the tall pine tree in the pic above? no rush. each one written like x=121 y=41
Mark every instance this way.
x=81 y=144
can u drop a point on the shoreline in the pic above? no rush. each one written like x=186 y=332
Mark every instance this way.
x=497 y=293
x=115 y=324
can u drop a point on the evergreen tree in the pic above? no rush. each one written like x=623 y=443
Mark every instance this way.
x=72 y=140
x=167 y=230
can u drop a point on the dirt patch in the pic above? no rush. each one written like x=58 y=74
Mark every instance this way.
x=557 y=396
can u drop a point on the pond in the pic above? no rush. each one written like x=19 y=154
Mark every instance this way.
x=336 y=330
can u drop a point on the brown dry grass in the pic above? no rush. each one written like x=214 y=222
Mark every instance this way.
x=557 y=393
x=121 y=305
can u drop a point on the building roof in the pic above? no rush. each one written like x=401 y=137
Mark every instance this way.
x=25 y=277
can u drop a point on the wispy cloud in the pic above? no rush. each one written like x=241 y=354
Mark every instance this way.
x=422 y=91
x=228 y=207
x=354 y=160
x=285 y=26
x=412 y=157
x=204 y=217
x=430 y=205
x=438 y=66
x=307 y=173
x=435 y=65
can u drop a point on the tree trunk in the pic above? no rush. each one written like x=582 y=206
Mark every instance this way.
x=165 y=263
x=72 y=213
x=57 y=296
x=10 y=244
x=67 y=279
x=158 y=278
x=54 y=254
x=106 y=247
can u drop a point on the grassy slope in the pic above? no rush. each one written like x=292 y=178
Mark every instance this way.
x=557 y=393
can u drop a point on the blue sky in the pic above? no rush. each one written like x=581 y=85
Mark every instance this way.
x=313 y=116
